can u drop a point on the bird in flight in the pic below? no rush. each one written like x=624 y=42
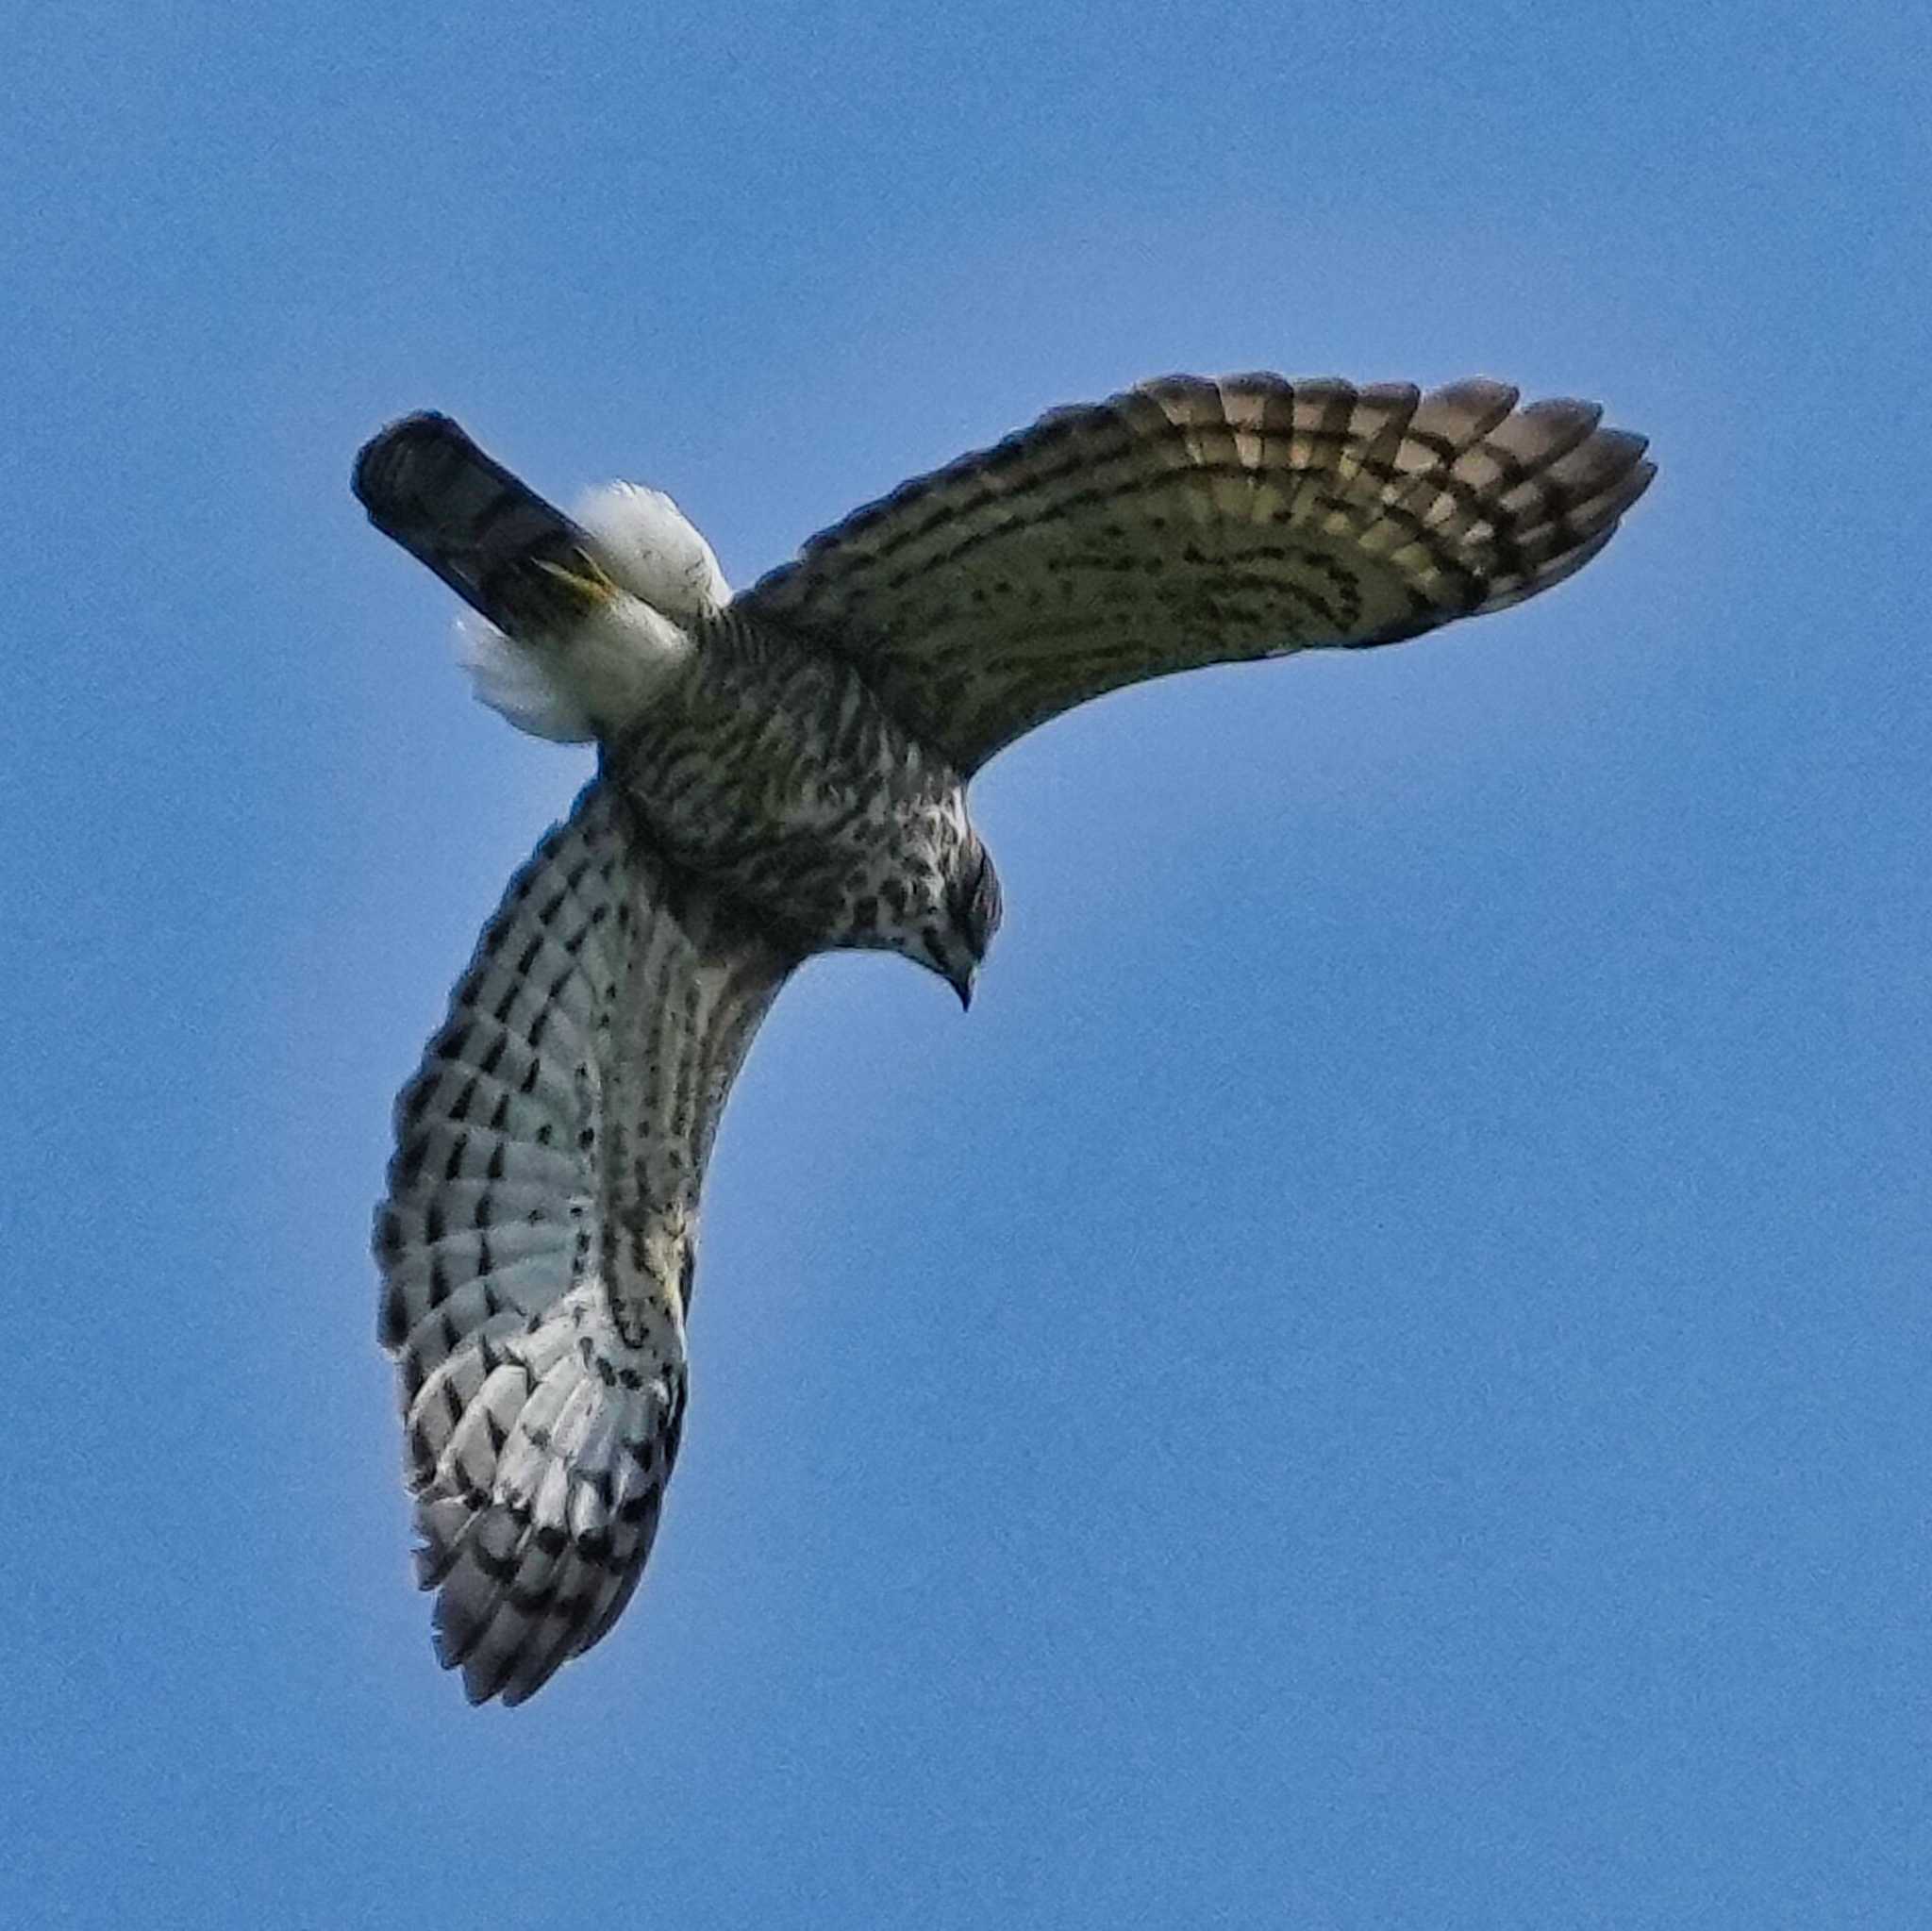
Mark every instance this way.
x=783 y=773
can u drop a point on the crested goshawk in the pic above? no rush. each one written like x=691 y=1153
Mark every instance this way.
x=783 y=772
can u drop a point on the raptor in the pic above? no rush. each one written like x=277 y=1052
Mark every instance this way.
x=783 y=772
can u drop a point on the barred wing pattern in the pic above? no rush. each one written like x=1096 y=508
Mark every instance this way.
x=1192 y=521
x=537 y=1240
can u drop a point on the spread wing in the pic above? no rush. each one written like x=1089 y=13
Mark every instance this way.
x=537 y=1242
x=1188 y=523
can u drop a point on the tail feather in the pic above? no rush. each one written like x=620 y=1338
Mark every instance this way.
x=575 y=629
x=429 y=488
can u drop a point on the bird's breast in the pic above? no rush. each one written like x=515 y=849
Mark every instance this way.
x=772 y=769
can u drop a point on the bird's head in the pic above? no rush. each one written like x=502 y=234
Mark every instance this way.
x=954 y=944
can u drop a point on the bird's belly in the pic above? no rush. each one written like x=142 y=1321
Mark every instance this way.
x=775 y=773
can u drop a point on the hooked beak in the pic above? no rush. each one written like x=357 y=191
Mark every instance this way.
x=962 y=984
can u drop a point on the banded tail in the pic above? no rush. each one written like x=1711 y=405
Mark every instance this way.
x=581 y=624
x=509 y=554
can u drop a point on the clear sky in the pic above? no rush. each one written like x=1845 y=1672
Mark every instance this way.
x=1380 y=1378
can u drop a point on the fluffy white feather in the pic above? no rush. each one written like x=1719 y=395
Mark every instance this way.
x=590 y=683
x=650 y=547
x=519 y=683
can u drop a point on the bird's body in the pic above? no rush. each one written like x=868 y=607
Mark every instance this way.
x=763 y=766
x=783 y=773
x=826 y=813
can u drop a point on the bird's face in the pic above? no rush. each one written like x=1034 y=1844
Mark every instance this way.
x=954 y=944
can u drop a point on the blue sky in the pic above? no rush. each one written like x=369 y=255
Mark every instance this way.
x=1381 y=1377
